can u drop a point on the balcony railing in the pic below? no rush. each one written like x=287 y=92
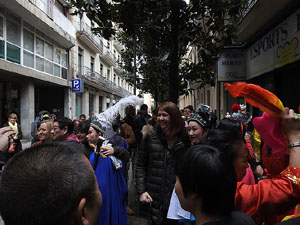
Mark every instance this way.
x=110 y=56
x=87 y=30
x=97 y=78
x=247 y=9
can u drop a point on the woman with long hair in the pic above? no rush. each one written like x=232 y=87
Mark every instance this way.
x=161 y=151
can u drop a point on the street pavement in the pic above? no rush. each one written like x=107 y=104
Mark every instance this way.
x=132 y=202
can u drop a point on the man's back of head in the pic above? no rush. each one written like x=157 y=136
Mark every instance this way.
x=51 y=184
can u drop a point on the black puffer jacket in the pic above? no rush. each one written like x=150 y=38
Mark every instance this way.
x=155 y=170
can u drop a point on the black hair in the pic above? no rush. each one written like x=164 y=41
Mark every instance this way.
x=237 y=128
x=206 y=172
x=65 y=122
x=144 y=107
x=82 y=115
x=44 y=184
x=190 y=107
x=84 y=126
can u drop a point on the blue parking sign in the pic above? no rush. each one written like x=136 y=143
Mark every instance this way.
x=77 y=85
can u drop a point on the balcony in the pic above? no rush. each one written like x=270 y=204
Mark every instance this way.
x=259 y=15
x=97 y=79
x=108 y=57
x=118 y=69
x=86 y=35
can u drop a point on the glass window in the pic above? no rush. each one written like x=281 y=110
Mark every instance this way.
x=13 y=30
x=56 y=70
x=28 y=59
x=64 y=73
x=2 y=49
x=57 y=53
x=13 y=53
x=48 y=67
x=28 y=26
x=80 y=52
x=1 y=27
x=49 y=51
x=39 y=46
x=39 y=63
x=64 y=59
x=28 y=40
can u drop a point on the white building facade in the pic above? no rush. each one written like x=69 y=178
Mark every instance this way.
x=42 y=48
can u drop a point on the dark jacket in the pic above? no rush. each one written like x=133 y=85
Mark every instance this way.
x=155 y=170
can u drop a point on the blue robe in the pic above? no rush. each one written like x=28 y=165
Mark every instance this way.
x=113 y=188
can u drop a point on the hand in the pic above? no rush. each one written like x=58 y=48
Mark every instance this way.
x=259 y=170
x=247 y=136
x=5 y=136
x=290 y=123
x=6 y=131
x=145 y=198
x=107 y=150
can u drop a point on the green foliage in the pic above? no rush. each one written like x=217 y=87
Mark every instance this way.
x=163 y=30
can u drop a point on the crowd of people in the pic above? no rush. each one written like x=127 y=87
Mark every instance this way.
x=188 y=167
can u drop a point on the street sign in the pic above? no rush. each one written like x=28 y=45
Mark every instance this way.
x=77 y=85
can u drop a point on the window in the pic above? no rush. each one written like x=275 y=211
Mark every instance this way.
x=1 y=49
x=57 y=55
x=80 y=53
x=108 y=74
x=48 y=67
x=13 y=30
x=64 y=58
x=39 y=46
x=13 y=53
x=28 y=40
x=101 y=68
x=49 y=51
x=39 y=63
x=28 y=59
x=108 y=45
x=114 y=78
x=56 y=71
x=13 y=37
x=28 y=45
x=92 y=63
x=1 y=37
x=1 y=27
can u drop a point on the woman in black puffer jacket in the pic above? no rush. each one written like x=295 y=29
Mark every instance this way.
x=161 y=150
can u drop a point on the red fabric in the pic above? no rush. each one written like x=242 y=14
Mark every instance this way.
x=235 y=107
x=249 y=177
x=273 y=165
x=250 y=149
x=270 y=197
x=269 y=129
x=256 y=96
x=38 y=143
x=71 y=137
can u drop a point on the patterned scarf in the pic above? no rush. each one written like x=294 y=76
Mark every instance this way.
x=14 y=127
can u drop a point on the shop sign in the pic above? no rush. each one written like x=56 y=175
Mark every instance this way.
x=231 y=66
x=275 y=49
x=77 y=85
